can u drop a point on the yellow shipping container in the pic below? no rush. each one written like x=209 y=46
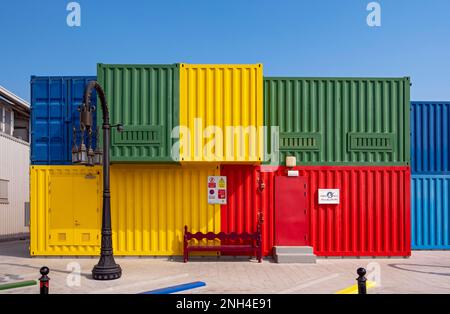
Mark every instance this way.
x=221 y=113
x=65 y=210
x=150 y=205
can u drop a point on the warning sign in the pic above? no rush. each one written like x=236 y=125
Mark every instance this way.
x=217 y=190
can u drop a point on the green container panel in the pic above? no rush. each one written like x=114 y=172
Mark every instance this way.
x=337 y=121
x=145 y=99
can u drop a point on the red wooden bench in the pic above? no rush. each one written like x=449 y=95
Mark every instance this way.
x=235 y=244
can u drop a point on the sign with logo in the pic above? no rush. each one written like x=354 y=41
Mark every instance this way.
x=329 y=196
x=217 y=190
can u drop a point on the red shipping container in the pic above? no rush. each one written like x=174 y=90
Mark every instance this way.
x=371 y=219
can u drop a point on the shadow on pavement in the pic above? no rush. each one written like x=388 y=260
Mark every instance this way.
x=405 y=268
x=221 y=259
x=53 y=270
x=16 y=248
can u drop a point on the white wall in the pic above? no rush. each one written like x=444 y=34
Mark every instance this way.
x=14 y=166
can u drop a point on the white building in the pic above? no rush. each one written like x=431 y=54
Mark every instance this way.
x=14 y=165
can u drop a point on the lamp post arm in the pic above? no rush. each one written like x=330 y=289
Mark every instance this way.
x=94 y=85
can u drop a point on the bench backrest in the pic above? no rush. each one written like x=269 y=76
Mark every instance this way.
x=233 y=236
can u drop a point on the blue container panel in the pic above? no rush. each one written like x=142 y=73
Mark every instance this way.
x=54 y=113
x=430 y=212
x=430 y=135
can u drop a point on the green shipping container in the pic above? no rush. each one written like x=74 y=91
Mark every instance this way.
x=145 y=99
x=339 y=121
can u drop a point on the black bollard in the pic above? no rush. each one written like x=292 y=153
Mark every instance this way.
x=362 y=280
x=44 y=280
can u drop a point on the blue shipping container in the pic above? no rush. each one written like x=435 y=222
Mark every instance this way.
x=430 y=136
x=54 y=113
x=430 y=212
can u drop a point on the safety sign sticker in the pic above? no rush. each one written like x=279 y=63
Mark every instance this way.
x=217 y=190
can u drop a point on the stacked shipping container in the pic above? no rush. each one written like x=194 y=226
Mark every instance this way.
x=54 y=114
x=372 y=218
x=181 y=125
x=145 y=99
x=430 y=134
x=221 y=105
x=340 y=121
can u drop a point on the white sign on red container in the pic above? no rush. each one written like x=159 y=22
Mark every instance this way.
x=217 y=190
x=329 y=196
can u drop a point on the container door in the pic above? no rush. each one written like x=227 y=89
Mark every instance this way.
x=291 y=220
x=75 y=95
x=69 y=124
x=61 y=231
x=74 y=213
x=48 y=114
x=56 y=122
x=39 y=121
x=85 y=209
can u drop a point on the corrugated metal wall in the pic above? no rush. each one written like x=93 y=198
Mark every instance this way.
x=14 y=161
x=245 y=200
x=372 y=219
x=149 y=205
x=221 y=96
x=145 y=98
x=65 y=204
x=430 y=211
x=430 y=136
x=152 y=204
x=340 y=121
x=54 y=114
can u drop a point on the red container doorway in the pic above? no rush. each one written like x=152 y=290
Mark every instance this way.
x=291 y=207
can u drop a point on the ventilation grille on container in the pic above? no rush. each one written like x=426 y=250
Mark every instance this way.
x=371 y=142
x=300 y=141
x=138 y=135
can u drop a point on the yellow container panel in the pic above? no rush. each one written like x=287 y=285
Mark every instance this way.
x=65 y=206
x=152 y=204
x=221 y=113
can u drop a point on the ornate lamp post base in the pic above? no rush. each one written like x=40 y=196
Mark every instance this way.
x=106 y=269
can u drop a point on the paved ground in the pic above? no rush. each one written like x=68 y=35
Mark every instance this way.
x=424 y=272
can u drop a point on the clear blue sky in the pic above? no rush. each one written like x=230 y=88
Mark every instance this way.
x=290 y=37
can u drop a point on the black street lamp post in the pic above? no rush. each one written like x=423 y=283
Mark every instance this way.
x=106 y=269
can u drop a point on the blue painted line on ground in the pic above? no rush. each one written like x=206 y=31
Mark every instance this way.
x=177 y=288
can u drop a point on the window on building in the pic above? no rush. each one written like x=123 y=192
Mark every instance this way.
x=2 y=127
x=4 y=191
x=8 y=122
